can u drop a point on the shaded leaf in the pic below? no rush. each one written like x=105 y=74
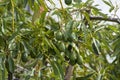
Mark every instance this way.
x=11 y=64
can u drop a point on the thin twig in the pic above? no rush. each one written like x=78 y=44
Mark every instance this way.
x=61 y=4
x=20 y=68
x=12 y=15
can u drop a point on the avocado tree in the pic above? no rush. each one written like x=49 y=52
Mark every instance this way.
x=39 y=41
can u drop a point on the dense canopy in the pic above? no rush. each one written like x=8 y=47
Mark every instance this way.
x=39 y=41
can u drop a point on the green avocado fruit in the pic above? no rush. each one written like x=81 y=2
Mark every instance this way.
x=61 y=46
x=68 y=2
x=58 y=35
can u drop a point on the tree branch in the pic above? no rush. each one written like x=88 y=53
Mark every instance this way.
x=10 y=75
x=117 y=20
x=69 y=72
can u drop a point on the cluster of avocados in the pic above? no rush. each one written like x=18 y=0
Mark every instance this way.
x=73 y=56
x=65 y=43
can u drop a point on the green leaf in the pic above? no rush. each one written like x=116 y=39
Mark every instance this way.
x=56 y=50
x=108 y=3
x=2 y=68
x=85 y=77
x=113 y=28
x=111 y=9
x=99 y=77
x=2 y=42
x=16 y=50
x=96 y=47
x=27 y=50
x=3 y=74
x=27 y=77
x=68 y=31
x=52 y=2
x=11 y=64
x=57 y=69
x=36 y=16
x=60 y=70
x=95 y=10
x=56 y=72
x=32 y=64
x=77 y=1
x=87 y=17
x=73 y=58
x=48 y=42
x=25 y=2
x=69 y=26
x=13 y=36
x=116 y=47
x=79 y=59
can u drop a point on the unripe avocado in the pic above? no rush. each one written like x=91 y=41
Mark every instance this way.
x=79 y=59
x=58 y=35
x=61 y=46
x=24 y=57
x=73 y=58
x=68 y=2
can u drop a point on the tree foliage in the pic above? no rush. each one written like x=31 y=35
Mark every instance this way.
x=39 y=41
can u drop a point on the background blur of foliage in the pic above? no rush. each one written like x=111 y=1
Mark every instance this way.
x=38 y=40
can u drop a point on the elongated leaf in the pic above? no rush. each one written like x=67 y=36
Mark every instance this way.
x=2 y=68
x=111 y=9
x=56 y=72
x=52 y=2
x=13 y=36
x=60 y=70
x=77 y=1
x=56 y=50
x=99 y=77
x=27 y=77
x=57 y=69
x=32 y=64
x=48 y=42
x=25 y=44
x=69 y=26
x=108 y=3
x=96 y=47
x=11 y=64
x=2 y=42
x=3 y=74
x=85 y=77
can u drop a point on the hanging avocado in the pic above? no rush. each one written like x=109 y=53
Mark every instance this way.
x=73 y=58
x=68 y=2
x=24 y=57
x=61 y=46
x=58 y=35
